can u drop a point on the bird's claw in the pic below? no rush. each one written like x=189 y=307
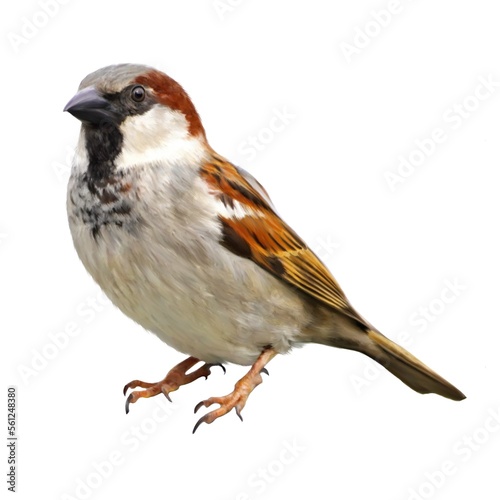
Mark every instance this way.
x=236 y=399
x=175 y=378
x=227 y=403
x=209 y=365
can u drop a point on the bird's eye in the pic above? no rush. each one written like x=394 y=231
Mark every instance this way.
x=138 y=93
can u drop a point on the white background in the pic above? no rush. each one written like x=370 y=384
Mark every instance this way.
x=355 y=431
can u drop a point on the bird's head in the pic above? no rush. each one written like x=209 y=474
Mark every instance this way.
x=133 y=114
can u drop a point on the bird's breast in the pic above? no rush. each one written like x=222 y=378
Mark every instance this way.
x=159 y=259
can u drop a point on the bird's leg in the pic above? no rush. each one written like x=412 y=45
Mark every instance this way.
x=239 y=396
x=176 y=377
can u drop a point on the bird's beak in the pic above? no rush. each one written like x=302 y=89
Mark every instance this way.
x=90 y=106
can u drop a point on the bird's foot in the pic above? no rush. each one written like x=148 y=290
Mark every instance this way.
x=238 y=398
x=176 y=377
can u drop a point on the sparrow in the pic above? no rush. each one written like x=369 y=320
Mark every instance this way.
x=190 y=246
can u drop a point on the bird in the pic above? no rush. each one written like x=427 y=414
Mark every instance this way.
x=191 y=247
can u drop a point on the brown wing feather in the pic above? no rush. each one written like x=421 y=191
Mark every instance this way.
x=264 y=238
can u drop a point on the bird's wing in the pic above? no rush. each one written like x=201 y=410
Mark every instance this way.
x=253 y=230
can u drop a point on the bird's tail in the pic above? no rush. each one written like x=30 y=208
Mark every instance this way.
x=407 y=367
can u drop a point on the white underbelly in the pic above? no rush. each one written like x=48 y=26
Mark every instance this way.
x=207 y=303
